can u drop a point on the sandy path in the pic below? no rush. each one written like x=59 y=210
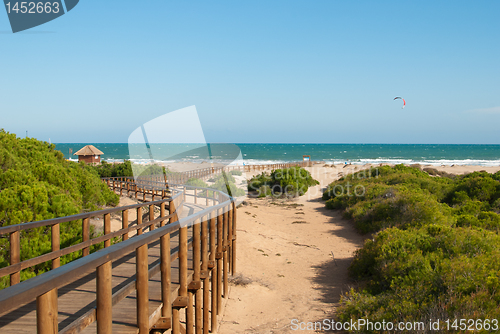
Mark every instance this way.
x=285 y=267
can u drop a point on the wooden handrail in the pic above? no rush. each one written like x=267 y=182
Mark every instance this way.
x=212 y=246
x=43 y=286
x=49 y=222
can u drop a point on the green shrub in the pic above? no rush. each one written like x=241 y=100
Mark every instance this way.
x=140 y=170
x=436 y=248
x=224 y=183
x=290 y=182
x=225 y=177
x=37 y=183
x=265 y=191
x=236 y=172
x=228 y=187
x=106 y=169
x=196 y=183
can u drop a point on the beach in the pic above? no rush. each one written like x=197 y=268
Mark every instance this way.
x=292 y=255
x=292 y=258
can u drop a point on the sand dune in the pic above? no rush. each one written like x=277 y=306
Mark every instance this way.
x=293 y=257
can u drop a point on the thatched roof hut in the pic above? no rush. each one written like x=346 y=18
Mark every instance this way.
x=89 y=154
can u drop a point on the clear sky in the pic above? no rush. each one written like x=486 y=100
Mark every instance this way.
x=278 y=71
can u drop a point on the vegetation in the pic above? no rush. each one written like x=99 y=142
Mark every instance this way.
x=114 y=170
x=288 y=182
x=236 y=172
x=196 y=183
x=435 y=252
x=126 y=168
x=37 y=183
x=225 y=183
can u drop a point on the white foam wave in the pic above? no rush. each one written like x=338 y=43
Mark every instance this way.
x=240 y=162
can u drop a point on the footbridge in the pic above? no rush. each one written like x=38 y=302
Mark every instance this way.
x=159 y=265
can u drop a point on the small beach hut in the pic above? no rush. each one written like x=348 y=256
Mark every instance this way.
x=89 y=154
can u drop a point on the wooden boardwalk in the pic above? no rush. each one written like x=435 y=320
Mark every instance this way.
x=79 y=298
x=190 y=249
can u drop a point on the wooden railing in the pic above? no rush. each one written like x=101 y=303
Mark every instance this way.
x=211 y=247
x=182 y=177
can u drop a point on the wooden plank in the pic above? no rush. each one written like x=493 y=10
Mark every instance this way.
x=78 y=299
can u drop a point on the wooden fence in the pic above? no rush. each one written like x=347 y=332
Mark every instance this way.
x=207 y=238
x=211 y=250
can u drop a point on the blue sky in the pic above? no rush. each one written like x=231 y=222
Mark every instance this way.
x=259 y=71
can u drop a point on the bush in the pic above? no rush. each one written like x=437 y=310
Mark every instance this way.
x=114 y=170
x=228 y=187
x=225 y=176
x=224 y=183
x=37 y=183
x=436 y=248
x=289 y=182
x=196 y=183
x=236 y=172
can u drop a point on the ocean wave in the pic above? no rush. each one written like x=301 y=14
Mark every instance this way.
x=437 y=162
x=395 y=161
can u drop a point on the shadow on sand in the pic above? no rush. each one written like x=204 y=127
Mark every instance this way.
x=331 y=277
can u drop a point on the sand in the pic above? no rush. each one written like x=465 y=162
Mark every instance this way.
x=292 y=258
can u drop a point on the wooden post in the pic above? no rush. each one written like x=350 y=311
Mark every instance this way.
x=229 y=242
x=190 y=316
x=139 y=219
x=85 y=235
x=183 y=270
x=197 y=277
x=56 y=244
x=213 y=251
x=204 y=275
x=183 y=261
x=224 y=251
x=151 y=216
x=165 y=268
x=104 y=299
x=15 y=256
x=142 y=289
x=176 y=323
x=233 y=240
x=124 y=224
x=107 y=228
x=219 y=260
x=46 y=313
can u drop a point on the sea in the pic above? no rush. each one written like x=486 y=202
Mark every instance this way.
x=251 y=154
